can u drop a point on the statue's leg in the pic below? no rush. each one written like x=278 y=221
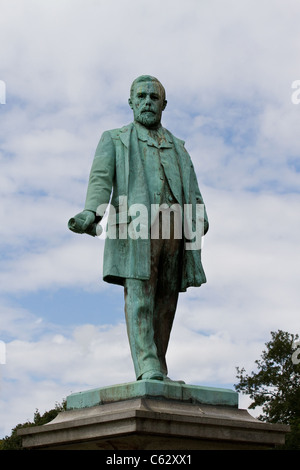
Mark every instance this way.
x=139 y=311
x=168 y=284
x=150 y=308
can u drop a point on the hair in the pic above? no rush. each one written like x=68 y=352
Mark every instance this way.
x=147 y=78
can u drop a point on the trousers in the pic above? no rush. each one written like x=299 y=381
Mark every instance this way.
x=150 y=307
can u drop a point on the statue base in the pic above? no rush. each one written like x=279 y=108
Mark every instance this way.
x=154 y=415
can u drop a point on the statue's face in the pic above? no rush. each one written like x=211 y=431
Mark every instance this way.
x=147 y=103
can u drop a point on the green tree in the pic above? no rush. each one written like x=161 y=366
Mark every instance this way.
x=14 y=442
x=275 y=385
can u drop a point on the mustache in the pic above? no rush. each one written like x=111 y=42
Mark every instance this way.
x=147 y=110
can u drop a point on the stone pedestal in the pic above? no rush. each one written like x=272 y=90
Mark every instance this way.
x=154 y=415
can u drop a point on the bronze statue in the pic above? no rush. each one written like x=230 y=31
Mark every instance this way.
x=142 y=170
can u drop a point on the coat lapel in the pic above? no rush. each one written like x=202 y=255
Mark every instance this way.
x=125 y=135
x=184 y=166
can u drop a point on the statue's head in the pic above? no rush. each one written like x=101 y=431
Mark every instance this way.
x=147 y=100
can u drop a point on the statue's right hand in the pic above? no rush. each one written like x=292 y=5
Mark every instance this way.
x=81 y=222
x=88 y=218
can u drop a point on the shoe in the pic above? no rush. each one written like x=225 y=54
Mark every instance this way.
x=152 y=375
x=167 y=379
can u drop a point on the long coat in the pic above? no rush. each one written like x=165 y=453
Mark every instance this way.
x=118 y=169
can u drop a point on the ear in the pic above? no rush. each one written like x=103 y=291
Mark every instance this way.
x=165 y=104
x=130 y=103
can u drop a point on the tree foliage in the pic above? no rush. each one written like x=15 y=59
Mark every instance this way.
x=14 y=442
x=275 y=385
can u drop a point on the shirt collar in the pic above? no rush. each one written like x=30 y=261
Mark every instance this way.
x=156 y=138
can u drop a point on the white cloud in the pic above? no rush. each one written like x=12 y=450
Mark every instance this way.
x=17 y=322
x=52 y=367
x=69 y=264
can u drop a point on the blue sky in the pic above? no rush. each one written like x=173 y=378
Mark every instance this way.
x=228 y=68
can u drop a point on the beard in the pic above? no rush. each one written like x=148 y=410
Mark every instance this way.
x=148 y=119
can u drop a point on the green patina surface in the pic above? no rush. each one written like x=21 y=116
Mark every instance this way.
x=153 y=389
x=136 y=168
